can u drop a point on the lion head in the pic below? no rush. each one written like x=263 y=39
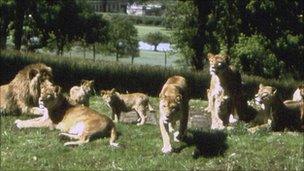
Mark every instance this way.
x=87 y=85
x=109 y=95
x=51 y=95
x=218 y=63
x=169 y=105
x=265 y=94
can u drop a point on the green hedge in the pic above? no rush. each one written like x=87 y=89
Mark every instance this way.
x=133 y=78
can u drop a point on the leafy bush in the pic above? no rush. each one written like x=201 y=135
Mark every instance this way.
x=252 y=56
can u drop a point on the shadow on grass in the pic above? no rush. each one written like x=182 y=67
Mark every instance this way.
x=208 y=144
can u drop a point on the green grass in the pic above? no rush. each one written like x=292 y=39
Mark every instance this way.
x=142 y=30
x=41 y=149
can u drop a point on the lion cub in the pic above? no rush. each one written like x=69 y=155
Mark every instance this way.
x=80 y=94
x=75 y=122
x=282 y=116
x=173 y=107
x=126 y=103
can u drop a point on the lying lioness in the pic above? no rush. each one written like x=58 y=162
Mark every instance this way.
x=173 y=107
x=138 y=102
x=282 y=116
x=80 y=122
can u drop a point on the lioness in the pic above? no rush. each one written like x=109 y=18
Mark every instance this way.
x=226 y=82
x=298 y=95
x=80 y=94
x=282 y=117
x=22 y=93
x=118 y=102
x=173 y=107
x=76 y=122
x=297 y=103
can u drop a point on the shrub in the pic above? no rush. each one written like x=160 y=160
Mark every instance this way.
x=252 y=56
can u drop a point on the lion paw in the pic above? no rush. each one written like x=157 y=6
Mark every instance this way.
x=167 y=149
x=18 y=123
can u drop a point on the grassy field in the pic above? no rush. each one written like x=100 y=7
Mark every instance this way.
x=41 y=149
x=146 y=57
x=143 y=30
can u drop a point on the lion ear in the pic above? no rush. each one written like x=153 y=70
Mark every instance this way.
x=178 y=99
x=261 y=85
x=274 y=91
x=32 y=73
x=210 y=55
x=57 y=89
x=113 y=90
x=82 y=81
x=102 y=92
x=226 y=57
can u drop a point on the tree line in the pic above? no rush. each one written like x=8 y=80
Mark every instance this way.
x=262 y=37
x=61 y=24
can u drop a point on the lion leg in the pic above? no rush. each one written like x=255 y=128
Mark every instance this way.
x=183 y=123
x=167 y=148
x=34 y=123
x=254 y=129
x=71 y=136
x=113 y=137
x=216 y=122
x=210 y=101
x=141 y=112
x=81 y=141
x=115 y=116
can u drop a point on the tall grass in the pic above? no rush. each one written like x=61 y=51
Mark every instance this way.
x=139 y=78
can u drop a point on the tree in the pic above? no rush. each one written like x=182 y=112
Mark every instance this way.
x=6 y=16
x=95 y=31
x=192 y=31
x=123 y=38
x=155 y=38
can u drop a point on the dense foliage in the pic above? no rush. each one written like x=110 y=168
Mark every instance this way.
x=221 y=26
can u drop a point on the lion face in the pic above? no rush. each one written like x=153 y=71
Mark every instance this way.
x=50 y=95
x=108 y=95
x=218 y=63
x=265 y=94
x=87 y=85
x=169 y=106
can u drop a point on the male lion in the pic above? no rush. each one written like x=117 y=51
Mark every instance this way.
x=22 y=93
x=75 y=122
x=80 y=94
x=225 y=82
x=282 y=116
x=173 y=107
x=125 y=103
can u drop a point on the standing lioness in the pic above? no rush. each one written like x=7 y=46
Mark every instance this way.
x=173 y=107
